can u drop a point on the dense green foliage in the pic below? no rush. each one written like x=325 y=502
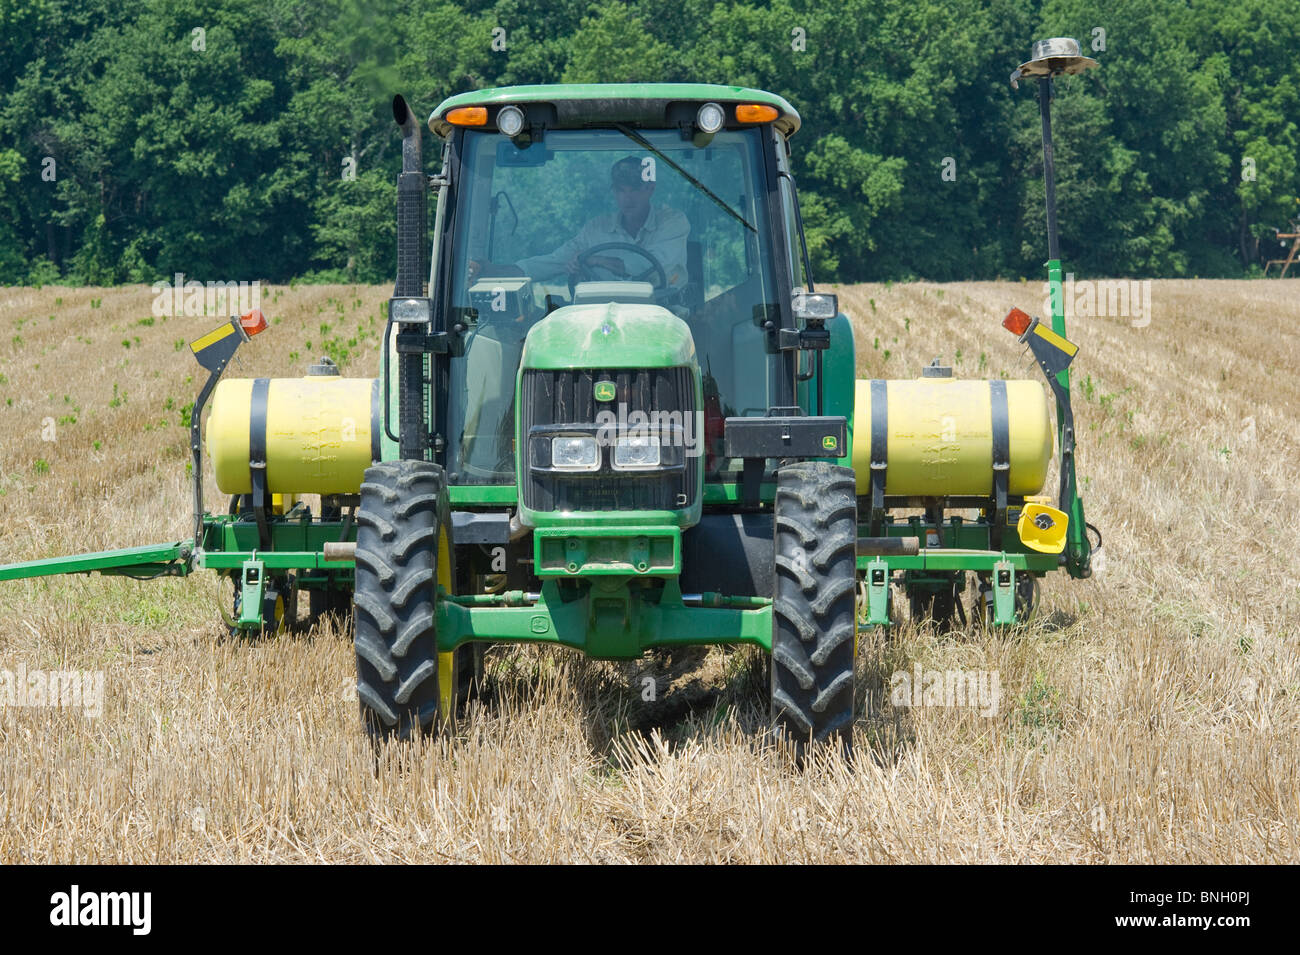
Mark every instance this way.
x=213 y=138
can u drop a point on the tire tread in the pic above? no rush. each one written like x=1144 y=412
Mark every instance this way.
x=814 y=604
x=403 y=510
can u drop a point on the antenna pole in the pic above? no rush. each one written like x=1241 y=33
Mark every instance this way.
x=1049 y=166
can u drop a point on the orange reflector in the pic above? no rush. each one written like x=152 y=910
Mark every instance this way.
x=1016 y=322
x=468 y=116
x=253 y=322
x=754 y=113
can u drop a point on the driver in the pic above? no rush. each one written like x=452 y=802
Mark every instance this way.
x=659 y=230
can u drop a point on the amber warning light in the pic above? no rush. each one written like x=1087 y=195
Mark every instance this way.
x=253 y=322
x=755 y=113
x=1017 y=322
x=468 y=116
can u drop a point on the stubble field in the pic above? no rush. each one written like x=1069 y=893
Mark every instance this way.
x=1150 y=714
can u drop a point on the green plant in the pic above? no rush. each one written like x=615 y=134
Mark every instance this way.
x=1039 y=708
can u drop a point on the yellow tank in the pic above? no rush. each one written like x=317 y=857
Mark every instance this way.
x=939 y=435
x=321 y=432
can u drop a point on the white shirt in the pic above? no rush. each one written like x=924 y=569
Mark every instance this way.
x=663 y=235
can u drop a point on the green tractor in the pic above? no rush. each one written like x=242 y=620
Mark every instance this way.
x=613 y=413
x=617 y=423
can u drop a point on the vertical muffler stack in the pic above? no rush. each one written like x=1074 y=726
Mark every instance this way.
x=412 y=230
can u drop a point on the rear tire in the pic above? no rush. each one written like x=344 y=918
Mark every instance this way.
x=401 y=523
x=814 y=616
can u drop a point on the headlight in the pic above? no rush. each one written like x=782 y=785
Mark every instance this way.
x=710 y=118
x=636 y=453
x=510 y=121
x=569 y=453
x=815 y=306
x=410 y=311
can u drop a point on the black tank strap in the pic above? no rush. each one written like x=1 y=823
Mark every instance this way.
x=879 y=450
x=257 y=458
x=1001 y=458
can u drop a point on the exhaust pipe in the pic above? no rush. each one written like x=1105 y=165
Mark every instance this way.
x=412 y=231
x=412 y=227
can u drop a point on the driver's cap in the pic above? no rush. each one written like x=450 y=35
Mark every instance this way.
x=627 y=172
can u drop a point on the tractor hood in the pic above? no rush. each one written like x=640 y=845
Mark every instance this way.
x=609 y=335
x=576 y=361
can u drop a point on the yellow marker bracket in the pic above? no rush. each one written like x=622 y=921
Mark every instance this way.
x=213 y=352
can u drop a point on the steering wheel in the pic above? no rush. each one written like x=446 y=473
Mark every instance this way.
x=585 y=268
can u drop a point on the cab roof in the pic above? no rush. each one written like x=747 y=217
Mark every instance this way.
x=642 y=104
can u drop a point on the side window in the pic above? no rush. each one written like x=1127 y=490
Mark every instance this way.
x=797 y=277
x=727 y=260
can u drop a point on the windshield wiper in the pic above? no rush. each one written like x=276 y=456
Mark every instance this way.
x=645 y=144
x=495 y=207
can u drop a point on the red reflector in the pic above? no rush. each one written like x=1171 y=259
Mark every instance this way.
x=715 y=429
x=1017 y=322
x=253 y=322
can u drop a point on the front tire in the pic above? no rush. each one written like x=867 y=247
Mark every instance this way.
x=814 y=618
x=402 y=529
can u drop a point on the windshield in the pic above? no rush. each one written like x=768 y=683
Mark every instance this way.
x=606 y=215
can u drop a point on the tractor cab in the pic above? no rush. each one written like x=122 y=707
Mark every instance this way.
x=669 y=207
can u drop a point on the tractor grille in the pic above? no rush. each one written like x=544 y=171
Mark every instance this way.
x=563 y=401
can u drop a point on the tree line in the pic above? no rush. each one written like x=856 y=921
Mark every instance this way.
x=244 y=139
